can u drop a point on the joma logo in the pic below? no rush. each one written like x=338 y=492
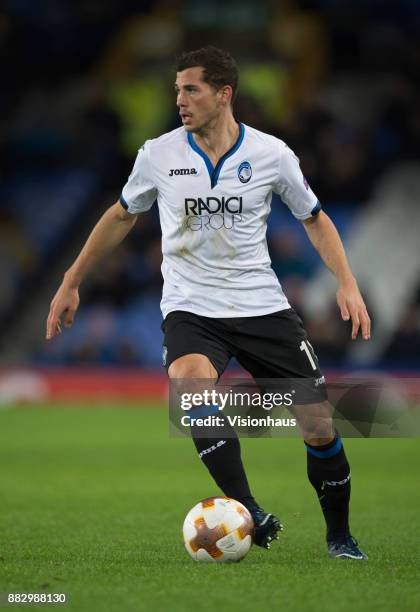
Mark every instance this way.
x=182 y=171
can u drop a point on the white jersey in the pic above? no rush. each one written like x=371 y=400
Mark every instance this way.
x=214 y=220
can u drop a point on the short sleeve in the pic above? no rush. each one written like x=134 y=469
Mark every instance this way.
x=140 y=192
x=293 y=188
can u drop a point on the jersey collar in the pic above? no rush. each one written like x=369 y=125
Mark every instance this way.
x=215 y=171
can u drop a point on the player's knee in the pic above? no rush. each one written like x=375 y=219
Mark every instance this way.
x=318 y=431
x=192 y=366
x=315 y=422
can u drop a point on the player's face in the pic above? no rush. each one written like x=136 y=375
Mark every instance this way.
x=199 y=103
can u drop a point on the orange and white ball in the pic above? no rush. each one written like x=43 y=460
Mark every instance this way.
x=218 y=529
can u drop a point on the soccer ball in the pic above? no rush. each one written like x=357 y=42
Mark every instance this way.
x=218 y=529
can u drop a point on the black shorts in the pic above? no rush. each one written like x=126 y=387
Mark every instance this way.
x=270 y=346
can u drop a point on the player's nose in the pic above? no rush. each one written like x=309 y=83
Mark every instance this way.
x=180 y=100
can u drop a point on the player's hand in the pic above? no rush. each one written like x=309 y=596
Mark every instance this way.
x=65 y=302
x=352 y=307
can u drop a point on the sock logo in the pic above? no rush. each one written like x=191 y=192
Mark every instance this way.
x=212 y=448
x=336 y=483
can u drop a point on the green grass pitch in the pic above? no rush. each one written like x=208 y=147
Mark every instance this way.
x=92 y=501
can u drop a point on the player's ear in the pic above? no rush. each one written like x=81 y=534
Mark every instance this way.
x=225 y=94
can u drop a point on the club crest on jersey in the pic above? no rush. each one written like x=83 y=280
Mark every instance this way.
x=245 y=172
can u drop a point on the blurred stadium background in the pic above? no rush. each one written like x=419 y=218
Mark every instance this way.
x=85 y=82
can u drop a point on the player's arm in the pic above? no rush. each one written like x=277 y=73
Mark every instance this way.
x=110 y=230
x=326 y=240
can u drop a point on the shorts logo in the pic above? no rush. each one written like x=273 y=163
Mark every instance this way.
x=245 y=172
x=164 y=354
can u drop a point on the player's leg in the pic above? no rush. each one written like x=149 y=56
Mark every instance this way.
x=327 y=466
x=278 y=348
x=197 y=356
x=329 y=473
x=219 y=450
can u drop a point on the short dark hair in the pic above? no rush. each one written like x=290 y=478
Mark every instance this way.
x=219 y=67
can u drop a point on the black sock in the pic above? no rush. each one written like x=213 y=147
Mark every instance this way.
x=329 y=473
x=221 y=454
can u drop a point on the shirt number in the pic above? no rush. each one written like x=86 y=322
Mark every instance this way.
x=306 y=346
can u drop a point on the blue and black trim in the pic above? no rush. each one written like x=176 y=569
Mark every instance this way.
x=331 y=450
x=203 y=411
x=214 y=172
x=316 y=208
x=123 y=202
